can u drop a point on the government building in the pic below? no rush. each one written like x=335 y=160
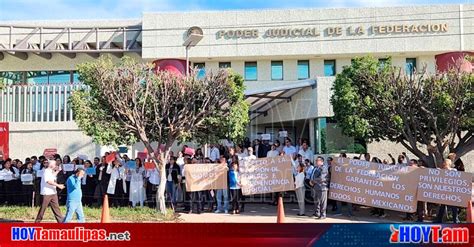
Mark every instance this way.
x=289 y=59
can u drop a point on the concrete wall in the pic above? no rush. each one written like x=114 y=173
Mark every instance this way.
x=168 y=42
x=27 y=139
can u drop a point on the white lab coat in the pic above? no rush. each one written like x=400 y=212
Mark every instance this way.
x=115 y=173
x=137 y=191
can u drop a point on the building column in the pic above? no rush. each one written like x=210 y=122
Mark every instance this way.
x=312 y=135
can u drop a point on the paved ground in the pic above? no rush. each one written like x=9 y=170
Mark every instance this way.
x=261 y=213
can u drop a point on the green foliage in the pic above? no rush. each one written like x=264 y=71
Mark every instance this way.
x=376 y=102
x=129 y=101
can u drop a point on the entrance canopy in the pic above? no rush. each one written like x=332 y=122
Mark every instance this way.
x=263 y=99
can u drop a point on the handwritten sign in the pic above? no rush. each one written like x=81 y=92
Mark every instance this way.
x=79 y=166
x=91 y=171
x=372 y=184
x=266 y=175
x=448 y=187
x=205 y=176
x=39 y=173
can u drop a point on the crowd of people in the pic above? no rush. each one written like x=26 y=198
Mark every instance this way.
x=54 y=181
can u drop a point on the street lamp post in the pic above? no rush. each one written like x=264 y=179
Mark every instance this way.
x=194 y=35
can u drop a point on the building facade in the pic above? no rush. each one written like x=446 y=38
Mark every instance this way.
x=289 y=59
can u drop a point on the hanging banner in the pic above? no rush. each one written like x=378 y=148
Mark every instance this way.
x=267 y=175
x=4 y=139
x=205 y=176
x=392 y=187
x=442 y=186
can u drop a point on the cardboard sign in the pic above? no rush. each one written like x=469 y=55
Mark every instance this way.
x=266 y=137
x=142 y=156
x=26 y=177
x=83 y=157
x=79 y=166
x=49 y=153
x=266 y=175
x=149 y=165
x=91 y=171
x=131 y=164
x=4 y=139
x=372 y=184
x=189 y=151
x=205 y=176
x=68 y=167
x=442 y=186
x=110 y=158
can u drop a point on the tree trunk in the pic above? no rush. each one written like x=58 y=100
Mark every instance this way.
x=160 y=193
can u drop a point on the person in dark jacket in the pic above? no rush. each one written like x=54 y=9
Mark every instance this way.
x=173 y=176
x=319 y=181
x=102 y=180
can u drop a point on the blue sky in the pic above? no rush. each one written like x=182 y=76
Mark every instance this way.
x=119 y=9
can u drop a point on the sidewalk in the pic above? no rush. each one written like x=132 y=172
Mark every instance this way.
x=262 y=213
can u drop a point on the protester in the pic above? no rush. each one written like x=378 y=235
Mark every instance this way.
x=289 y=149
x=88 y=185
x=222 y=194
x=27 y=188
x=102 y=178
x=447 y=163
x=300 y=189
x=49 y=193
x=137 y=194
x=319 y=181
x=273 y=152
x=173 y=172
x=117 y=186
x=153 y=181
x=74 y=197
x=234 y=186
x=305 y=151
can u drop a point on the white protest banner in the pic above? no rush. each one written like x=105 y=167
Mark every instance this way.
x=373 y=184
x=266 y=175
x=68 y=167
x=26 y=177
x=442 y=186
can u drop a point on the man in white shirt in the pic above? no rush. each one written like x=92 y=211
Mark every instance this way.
x=306 y=152
x=289 y=149
x=251 y=156
x=273 y=152
x=49 y=193
x=214 y=155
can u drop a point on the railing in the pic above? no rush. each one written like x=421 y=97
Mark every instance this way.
x=37 y=103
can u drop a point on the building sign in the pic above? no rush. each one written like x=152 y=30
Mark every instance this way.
x=333 y=31
x=448 y=187
x=376 y=185
x=266 y=175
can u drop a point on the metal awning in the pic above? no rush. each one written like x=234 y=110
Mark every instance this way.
x=261 y=101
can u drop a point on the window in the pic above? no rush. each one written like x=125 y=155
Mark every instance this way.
x=277 y=70
x=224 y=65
x=303 y=69
x=382 y=62
x=410 y=66
x=250 y=71
x=329 y=67
x=59 y=77
x=201 y=70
